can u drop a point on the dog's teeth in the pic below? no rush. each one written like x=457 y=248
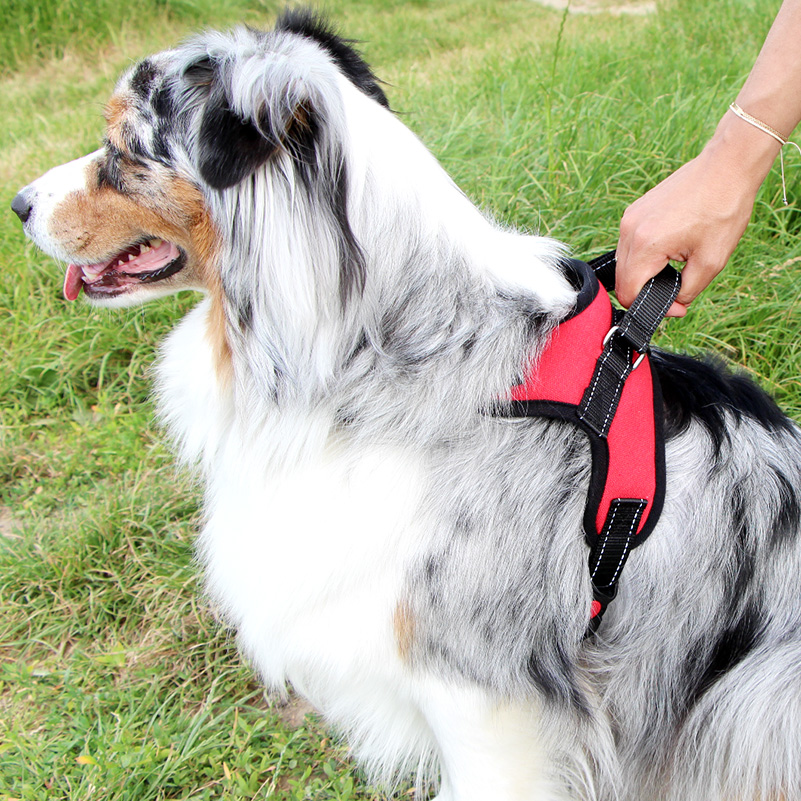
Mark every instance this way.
x=131 y=257
x=156 y=243
x=144 y=249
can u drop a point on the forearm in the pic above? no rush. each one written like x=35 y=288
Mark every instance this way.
x=698 y=214
x=772 y=92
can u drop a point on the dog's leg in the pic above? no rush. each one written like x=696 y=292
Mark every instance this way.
x=489 y=749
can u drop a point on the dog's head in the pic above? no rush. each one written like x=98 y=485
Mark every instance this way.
x=158 y=208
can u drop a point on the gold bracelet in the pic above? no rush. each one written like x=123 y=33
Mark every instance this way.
x=744 y=115
x=751 y=120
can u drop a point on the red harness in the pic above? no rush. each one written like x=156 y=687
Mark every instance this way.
x=595 y=373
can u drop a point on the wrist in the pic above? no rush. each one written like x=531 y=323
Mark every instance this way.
x=742 y=151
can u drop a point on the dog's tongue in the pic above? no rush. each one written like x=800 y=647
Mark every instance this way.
x=73 y=282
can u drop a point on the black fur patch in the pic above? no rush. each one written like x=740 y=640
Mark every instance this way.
x=301 y=143
x=742 y=575
x=109 y=173
x=732 y=645
x=727 y=648
x=305 y=22
x=704 y=390
x=142 y=79
x=163 y=103
x=161 y=145
x=352 y=270
x=230 y=148
x=557 y=681
x=787 y=522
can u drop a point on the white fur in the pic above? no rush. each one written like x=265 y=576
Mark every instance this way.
x=47 y=193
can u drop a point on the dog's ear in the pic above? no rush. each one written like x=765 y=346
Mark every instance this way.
x=229 y=145
x=236 y=138
x=256 y=104
x=230 y=148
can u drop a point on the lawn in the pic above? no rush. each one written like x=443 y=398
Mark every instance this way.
x=116 y=681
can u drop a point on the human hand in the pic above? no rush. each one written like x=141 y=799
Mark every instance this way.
x=696 y=216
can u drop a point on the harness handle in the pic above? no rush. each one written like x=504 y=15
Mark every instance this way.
x=631 y=332
x=649 y=307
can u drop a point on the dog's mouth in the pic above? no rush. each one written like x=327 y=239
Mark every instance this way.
x=145 y=262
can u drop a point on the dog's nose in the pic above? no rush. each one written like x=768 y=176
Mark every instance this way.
x=22 y=207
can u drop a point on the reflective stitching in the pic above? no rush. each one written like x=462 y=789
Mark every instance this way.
x=635 y=307
x=595 y=381
x=606 y=539
x=642 y=503
x=618 y=391
x=635 y=520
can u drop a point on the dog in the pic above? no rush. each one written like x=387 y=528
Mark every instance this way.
x=411 y=563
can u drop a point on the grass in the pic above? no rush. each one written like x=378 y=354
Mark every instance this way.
x=116 y=682
x=35 y=30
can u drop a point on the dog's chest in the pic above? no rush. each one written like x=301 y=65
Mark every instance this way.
x=309 y=563
x=305 y=542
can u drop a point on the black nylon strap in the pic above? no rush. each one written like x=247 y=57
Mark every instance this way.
x=649 y=307
x=601 y=398
x=614 y=544
x=632 y=333
x=611 y=552
x=640 y=322
x=604 y=269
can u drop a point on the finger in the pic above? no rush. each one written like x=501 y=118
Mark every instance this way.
x=641 y=254
x=634 y=271
x=696 y=276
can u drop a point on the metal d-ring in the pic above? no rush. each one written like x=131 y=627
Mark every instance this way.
x=611 y=332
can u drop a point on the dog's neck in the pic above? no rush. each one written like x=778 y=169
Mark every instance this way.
x=449 y=303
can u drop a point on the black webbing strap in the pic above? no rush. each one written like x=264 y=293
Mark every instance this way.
x=632 y=333
x=614 y=544
x=599 y=404
x=604 y=268
x=611 y=551
x=640 y=322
